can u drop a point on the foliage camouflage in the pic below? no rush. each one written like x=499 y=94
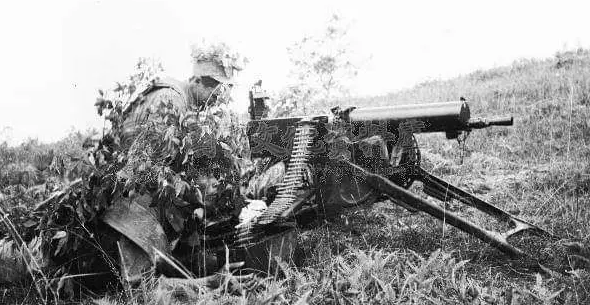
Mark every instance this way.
x=219 y=53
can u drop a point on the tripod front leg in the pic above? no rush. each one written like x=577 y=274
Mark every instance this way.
x=398 y=193
x=444 y=191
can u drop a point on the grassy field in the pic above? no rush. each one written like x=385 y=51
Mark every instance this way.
x=384 y=254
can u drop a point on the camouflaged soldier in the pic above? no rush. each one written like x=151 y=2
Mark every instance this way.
x=210 y=84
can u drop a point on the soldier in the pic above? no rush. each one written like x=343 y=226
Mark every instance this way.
x=210 y=84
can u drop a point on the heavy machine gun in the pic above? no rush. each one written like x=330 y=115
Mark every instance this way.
x=360 y=155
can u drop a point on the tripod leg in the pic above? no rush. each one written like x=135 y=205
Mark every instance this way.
x=444 y=191
x=389 y=188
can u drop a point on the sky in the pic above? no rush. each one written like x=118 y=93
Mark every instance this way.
x=55 y=55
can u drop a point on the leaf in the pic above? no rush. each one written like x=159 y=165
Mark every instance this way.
x=59 y=235
x=175 y=219
x=170 y=133
x=538 y=279
x=180 y=187
x=100 y=102
x=225 y=146
x=199 y=213
x=186 y=157
x=60 y=244
x=123 y=175
x=180 y=203
x=174 y=243
x=555 y=294
x=129 y=184
x=30 y=223
x=194 y=196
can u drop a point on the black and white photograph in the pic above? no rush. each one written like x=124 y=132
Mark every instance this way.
x=295 y=152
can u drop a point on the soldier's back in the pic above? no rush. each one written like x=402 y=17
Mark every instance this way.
x=166 y=96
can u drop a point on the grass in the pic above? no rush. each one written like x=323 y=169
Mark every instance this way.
x=383 y=254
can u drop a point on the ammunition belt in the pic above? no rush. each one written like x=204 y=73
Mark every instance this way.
x=293 y=181
x=294 y=177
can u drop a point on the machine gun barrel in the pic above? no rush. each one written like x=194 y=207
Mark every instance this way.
x=435 y=116
x=449 y=117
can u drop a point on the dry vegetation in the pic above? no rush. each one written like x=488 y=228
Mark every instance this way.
x=385 y=255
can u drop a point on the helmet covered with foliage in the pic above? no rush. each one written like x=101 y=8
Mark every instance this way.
x=216 y=61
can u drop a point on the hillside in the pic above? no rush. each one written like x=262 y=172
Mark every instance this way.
x=549 y=99
x=526 y=80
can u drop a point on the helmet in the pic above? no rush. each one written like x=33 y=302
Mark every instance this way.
x=215 y=70
x=215 y=61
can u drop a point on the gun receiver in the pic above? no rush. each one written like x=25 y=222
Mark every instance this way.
x=449 y=117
